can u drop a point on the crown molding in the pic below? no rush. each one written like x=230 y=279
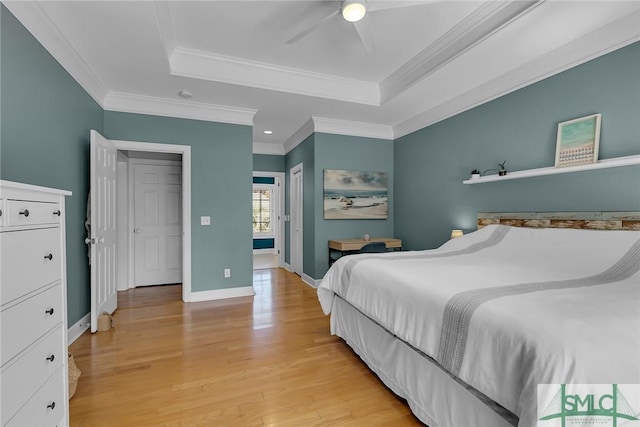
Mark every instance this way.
x=300 y=135
x=344 y=127
x=268 y=148
x=338 y=127
x=608 y=38
x=34 y=18
x=489 y=17
x=130 y=103
x=219 y=68
x=166 y=27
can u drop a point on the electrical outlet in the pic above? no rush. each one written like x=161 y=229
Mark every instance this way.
x=205 y=220
x=227 y=273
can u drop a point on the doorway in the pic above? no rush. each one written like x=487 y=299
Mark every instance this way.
x=268 y=219
x=162 y=175
x=150 y=219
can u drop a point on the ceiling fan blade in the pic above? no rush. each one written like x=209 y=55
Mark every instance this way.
x=311 y=29
x=376 y=5
x=363 y=28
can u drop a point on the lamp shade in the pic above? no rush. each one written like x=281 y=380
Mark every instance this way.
x=456 y=233
x=353 y=11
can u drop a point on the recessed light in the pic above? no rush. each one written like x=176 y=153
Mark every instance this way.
x=268 y=132
x=184 y=94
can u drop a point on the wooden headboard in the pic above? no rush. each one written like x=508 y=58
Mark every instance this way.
x=582 y=220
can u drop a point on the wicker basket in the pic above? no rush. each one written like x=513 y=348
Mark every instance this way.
x=74 y=374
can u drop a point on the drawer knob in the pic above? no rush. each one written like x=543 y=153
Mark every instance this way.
x=49 y=257
x=49 y=312
x=24 y=212
x=58 y=213
x=51 y=405
x=51 y=358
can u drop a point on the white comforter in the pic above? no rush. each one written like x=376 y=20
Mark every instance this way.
x=554 y=306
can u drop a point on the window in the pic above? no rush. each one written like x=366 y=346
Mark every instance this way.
x=262 y=210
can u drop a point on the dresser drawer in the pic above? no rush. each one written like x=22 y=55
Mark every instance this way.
x=23 y=378
x=21 y=212
x=23 y=323
x=30 y=260
x=46 y=407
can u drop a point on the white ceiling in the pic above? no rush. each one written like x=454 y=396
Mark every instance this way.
x=431 y=59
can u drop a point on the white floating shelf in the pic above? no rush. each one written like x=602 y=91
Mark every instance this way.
x=602 y=164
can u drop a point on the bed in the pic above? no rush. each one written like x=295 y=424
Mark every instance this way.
x=466 y=332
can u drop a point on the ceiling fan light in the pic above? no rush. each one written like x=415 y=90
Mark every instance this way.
x=353 y=11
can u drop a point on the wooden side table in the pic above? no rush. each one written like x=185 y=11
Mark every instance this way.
x=346 y=246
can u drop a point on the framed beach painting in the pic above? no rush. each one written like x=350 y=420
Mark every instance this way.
x=355 y=194
x=578 y=141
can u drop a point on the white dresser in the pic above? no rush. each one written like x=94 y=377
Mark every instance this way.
x=33 y=307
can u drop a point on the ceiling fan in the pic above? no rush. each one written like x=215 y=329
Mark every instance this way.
x=356 y=12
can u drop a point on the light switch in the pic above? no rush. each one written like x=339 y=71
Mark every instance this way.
x=205 y=220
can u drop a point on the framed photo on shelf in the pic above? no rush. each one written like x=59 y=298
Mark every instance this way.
x=578 y=141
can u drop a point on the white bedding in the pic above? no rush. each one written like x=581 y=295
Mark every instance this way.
x=520 y=307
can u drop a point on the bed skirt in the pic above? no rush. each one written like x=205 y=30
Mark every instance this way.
x=433 y=395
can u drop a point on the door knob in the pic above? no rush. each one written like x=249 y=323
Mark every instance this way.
x=137 y=230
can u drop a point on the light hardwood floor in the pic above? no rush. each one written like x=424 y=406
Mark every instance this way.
x=267 y=360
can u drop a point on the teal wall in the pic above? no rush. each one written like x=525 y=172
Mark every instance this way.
x=268 y=163
x=303 y=153
x=327 y=151
x=430 y=164
x=45 y=122
x=351 y=153
x=221 y=186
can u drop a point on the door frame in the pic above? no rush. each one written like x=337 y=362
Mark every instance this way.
x=131 y=164
x=280 y=192
x=185 y=151
x=300 y=241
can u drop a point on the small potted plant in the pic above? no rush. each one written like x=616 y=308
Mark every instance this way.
x=503 y=170
x=475 y=174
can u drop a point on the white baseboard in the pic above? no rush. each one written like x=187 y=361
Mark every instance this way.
x=244 y=291
x=305 y=277
x=78 y=328
x=310 y=280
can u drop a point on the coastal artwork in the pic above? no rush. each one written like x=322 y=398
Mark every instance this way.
x=577 y=141
x=355 y=194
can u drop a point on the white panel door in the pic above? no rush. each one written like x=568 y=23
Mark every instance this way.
x=103 y=227
x=157 y=224
x=296 y=228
